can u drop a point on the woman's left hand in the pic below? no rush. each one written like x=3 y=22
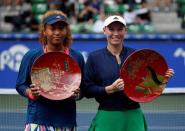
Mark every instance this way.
x=169 y=73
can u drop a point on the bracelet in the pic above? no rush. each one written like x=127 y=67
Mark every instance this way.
x=30 y=95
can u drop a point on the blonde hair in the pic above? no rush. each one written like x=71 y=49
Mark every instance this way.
x=42 y=37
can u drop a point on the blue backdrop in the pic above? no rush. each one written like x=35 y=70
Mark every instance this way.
x=14 y=46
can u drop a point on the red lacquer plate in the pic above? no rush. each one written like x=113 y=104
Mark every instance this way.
x=143 y=72
x=57 y=74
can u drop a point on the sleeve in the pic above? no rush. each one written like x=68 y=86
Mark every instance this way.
x=91 y=88
x=81 y=63
x=23 y=79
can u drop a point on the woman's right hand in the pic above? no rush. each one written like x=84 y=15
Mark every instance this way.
x=116 y=86
x=33 y=92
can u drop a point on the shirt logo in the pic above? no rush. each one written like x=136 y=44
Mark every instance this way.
x=58 y=17
x=115 y=18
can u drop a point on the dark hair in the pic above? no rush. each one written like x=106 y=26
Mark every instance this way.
x=42 y=38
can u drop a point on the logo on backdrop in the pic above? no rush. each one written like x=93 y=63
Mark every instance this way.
x=12 y=57
x=180 y=52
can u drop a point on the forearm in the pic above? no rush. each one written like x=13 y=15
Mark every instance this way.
x=92 y=90
x=22 y=90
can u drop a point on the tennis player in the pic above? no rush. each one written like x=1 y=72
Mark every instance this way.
x=116 y=111
x=44 y=114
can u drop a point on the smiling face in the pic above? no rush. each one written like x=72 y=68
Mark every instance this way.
x=115 y=33
x=47 y=28
x=55 y=33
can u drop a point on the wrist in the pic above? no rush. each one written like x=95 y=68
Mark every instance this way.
x=108 y=89
x=30 y=95
x=164 y=83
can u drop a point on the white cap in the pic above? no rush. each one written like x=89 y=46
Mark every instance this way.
x=114 y=18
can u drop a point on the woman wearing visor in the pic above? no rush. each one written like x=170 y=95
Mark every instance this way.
x=44 y=114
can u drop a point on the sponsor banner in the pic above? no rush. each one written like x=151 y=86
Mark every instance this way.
x=12 y=51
